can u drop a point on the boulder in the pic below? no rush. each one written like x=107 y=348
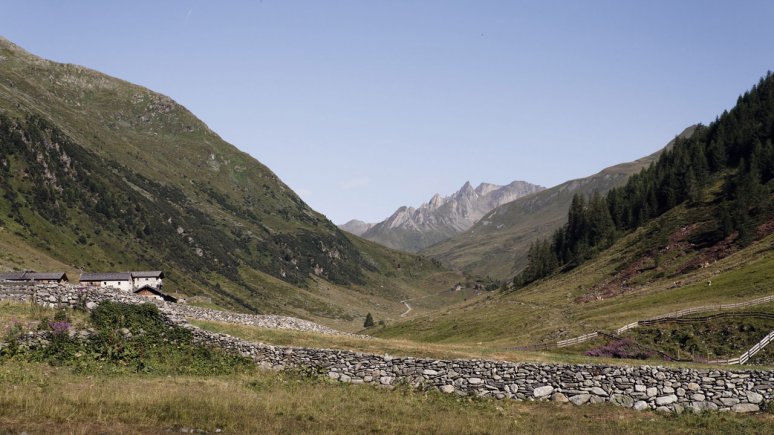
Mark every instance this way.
x=559 y=397
x=754 y=397
x=641 y=405
x=622 y=400
x=543 y=391
x=703 y=406
x=729 y=401
x=580 y=399
x=745 y=407
x=666 y=400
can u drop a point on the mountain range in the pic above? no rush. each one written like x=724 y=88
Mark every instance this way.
x=497 y=244
x=98 y=174
x=413 y=229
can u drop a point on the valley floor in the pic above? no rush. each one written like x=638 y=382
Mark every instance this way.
x=36 y=398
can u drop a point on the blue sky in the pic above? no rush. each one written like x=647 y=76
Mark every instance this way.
x=363 y=106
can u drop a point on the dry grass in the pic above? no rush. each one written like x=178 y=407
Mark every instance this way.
x=548 y=311
x=38 y=398
x=399 y=347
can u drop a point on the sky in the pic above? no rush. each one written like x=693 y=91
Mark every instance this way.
x=365 y=106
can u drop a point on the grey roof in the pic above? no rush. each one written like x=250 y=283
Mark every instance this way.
x=148 y=274
x=45 y=276
x=12 y=276
x=108 y=276
x=32 y=276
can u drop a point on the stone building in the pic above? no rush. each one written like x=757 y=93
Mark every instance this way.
x=119 y=280
x=147 y=278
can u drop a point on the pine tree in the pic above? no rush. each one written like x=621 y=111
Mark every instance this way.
x=369 y=321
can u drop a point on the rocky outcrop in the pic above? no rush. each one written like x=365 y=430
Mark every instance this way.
x=412 y=229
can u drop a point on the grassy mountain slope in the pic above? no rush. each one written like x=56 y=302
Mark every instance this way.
x=497 y=244
x=100 y=174
x=642 y=275
x=695 y=228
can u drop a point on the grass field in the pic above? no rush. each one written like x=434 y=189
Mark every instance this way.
x=40 y=399
x=399 y=347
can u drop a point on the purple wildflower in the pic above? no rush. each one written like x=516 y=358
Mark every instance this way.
x=59 y=327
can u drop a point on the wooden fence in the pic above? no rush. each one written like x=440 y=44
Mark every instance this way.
x=749 y=354
x=674 y=315
x=694 y=310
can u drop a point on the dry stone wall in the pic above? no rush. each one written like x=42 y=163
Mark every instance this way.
x=58 y=296
x=639 y=387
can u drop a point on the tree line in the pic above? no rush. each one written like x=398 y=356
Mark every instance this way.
x=736 y=150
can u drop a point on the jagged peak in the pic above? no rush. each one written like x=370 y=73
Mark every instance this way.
x=485 y=188
x=436 y=201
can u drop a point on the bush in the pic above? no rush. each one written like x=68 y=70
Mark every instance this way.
x=625 y=348
x=131 y=338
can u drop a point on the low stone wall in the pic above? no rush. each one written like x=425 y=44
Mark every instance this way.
x=638 y=387
x=58 y=296
x=641 y=387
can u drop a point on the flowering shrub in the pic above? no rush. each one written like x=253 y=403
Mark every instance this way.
x=624 y=348
x=60 y=327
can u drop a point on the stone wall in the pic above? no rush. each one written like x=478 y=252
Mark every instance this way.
x=59 y=296
x=639 y=387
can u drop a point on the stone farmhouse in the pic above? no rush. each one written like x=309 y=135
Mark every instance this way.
x=36 y=277
x=145 y=283
x=118 y=280
x=126 y=281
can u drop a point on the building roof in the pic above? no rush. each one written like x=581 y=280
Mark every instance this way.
x=11 y=276
x=148 y=274
x=33 y=276
x=107 y=276
x=45 y=276
x=157 y=292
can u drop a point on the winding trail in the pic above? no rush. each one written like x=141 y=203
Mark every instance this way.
x=408 y=310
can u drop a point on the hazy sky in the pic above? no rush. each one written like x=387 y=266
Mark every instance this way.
x=363 y=106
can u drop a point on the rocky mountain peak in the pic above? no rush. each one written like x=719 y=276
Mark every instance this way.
x=436 y=201
x=441 y=217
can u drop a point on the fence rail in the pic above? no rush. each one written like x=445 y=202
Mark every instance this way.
x=673 y=316
x=749 y=354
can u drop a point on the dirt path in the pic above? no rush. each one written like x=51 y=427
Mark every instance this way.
x=408 y=307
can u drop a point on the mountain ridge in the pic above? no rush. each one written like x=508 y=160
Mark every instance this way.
x=497 y=244
x=101 y=174
x=411 y=229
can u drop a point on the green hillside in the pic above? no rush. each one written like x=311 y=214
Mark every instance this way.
x=99 y=174
x=695 y=228
x=497 y=245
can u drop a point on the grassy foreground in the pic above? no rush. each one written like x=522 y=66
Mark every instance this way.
x=37 y=398
x=156 y=381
